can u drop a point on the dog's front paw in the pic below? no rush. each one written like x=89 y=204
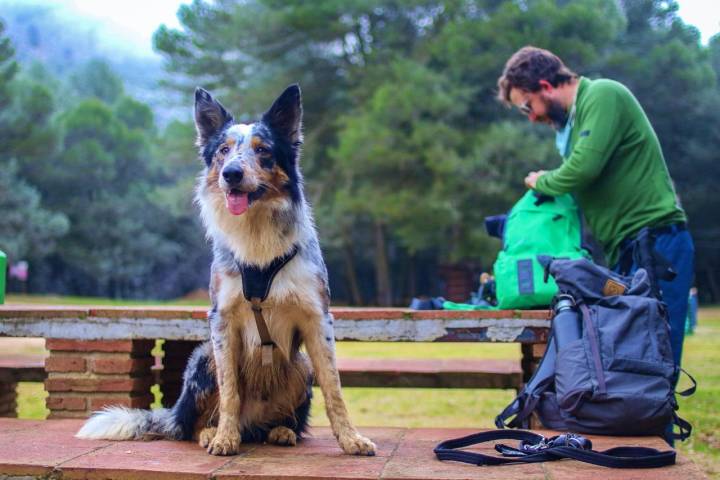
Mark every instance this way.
x=206 y=436
x=282 y=436
x=356 y=444
x=224 y=444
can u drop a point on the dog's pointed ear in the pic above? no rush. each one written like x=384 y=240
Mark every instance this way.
x=210 y=115
x=285 y=114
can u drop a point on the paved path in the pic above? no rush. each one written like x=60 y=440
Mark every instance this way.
x=47 y=448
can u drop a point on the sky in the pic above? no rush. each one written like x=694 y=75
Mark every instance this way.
x=127 y=22
x=132 y=22
x=704 y=14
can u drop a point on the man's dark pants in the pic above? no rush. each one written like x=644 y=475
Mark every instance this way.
x=676 y=245
x=678 y=248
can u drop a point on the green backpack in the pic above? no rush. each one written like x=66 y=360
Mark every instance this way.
x=536 y=225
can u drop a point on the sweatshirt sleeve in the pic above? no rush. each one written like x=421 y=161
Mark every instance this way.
x=600 y=132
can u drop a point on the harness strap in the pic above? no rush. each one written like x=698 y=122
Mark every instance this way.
x=266 y=340
x=257 y=281
x=256 y=288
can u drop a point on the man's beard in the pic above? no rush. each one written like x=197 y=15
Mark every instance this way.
x=555 y=114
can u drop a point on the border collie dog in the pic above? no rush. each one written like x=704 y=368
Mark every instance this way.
x=269 y=291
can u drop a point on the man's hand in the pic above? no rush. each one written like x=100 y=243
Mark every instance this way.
x=532 y=178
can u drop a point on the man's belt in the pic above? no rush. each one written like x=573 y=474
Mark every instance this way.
x=672 y=228
x=640 y=250
x=655 y=231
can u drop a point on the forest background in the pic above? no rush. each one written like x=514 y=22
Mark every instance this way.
x=406 y=149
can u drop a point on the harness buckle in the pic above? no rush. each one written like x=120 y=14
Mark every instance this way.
x=267 y=345
x=267 y=355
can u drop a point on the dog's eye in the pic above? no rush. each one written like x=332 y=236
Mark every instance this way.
x=260 y=150
x=225 y=150
x=267 y=163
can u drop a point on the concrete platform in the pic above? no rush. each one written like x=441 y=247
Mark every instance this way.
x=48 y=449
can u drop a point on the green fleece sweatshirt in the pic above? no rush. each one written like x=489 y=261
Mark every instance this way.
x=615 y=167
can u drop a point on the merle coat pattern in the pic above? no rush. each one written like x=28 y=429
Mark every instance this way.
x=252 y=204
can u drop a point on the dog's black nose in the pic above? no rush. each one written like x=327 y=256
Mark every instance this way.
x=232 y=174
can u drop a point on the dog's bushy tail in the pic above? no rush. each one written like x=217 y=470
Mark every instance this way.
x=120 y=423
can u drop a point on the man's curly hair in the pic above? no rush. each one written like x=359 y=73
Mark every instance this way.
x=527 y=67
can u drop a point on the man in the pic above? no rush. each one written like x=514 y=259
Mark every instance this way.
x=612 y=163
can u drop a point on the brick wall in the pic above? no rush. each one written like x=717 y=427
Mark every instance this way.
x=86 y=375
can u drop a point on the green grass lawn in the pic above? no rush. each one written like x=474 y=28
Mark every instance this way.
x=701 y=358
x=477 y=408
x=421 y=407
x=63 y=300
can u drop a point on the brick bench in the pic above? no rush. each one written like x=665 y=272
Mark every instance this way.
x=430 y=373
x=379 y=373
x=354 y=372
x=388 y=373
x=14 y=369
x=48 y=449
x=102 y=356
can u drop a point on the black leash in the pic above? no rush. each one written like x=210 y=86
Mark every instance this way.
x=535 y=448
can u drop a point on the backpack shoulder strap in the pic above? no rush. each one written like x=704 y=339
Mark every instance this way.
x=526 y=401
x=684 y=426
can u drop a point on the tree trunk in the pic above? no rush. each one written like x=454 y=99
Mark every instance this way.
x=713 y=284
x=412 y=276
x=382 y=269
x=350 y=272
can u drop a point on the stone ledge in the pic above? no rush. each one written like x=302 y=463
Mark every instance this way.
x=179 y=313
x=355 y=324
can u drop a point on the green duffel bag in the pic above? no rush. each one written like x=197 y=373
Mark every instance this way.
x=536 y=225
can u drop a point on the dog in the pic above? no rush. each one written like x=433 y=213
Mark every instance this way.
x=269 y=293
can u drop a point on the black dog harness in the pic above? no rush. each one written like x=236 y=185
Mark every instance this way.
x=256 y=288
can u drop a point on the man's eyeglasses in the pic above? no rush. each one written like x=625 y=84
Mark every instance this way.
x=525 y=108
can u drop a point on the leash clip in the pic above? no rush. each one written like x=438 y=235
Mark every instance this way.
x=572 y=440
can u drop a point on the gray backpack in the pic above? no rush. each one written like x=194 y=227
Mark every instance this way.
x=608 y=368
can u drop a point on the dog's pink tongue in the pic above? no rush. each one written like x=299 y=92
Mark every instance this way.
x=237 y=203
